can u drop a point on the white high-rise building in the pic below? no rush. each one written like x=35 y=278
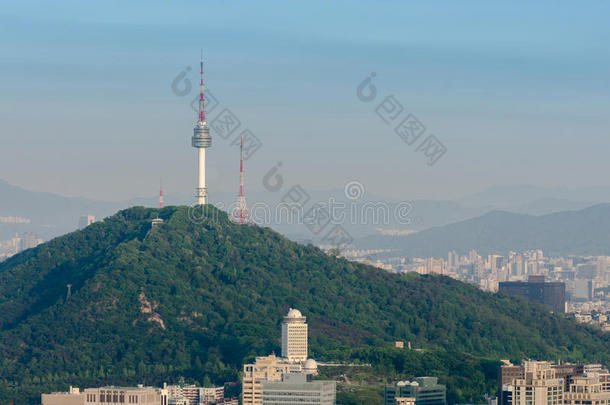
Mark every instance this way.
x=294 y=336
x=272 y=368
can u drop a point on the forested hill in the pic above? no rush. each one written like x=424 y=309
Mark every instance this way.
x=196 y=298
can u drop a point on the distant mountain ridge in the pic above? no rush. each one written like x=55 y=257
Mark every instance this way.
x=581 y=232
x=511 y=197
x=53 y=215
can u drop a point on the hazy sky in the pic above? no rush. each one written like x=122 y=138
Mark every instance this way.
x=518 y=93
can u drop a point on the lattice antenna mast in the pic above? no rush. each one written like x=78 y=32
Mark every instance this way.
x=241 y=214
x=160 y=193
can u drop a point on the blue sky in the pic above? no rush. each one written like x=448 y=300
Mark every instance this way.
x=517 y=92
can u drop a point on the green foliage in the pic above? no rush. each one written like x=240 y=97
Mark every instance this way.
x=197 y=299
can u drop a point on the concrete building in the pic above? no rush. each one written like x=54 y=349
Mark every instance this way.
x=298 y=389
x=265 y=368
x=405 y=400
x=29 y=240
x=72 y=397
x=273 y=368
x=85 y=220
x=566 y=372
x=294 y=336
x=105 y=396
x=192 y=395
x=425 y=390
x=587 y=389
x=508 y=374
x=539 y=385
x=552 y=295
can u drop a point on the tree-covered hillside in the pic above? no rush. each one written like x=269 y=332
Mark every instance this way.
x=196 y=298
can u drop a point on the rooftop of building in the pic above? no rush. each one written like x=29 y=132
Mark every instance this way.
x=294 y=313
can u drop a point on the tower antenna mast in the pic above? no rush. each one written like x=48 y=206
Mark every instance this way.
x=160 y=193
x=241 y=214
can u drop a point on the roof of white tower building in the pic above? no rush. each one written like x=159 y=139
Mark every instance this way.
x=294 y=313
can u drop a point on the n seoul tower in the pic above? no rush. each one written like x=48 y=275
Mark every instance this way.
x=201 y=141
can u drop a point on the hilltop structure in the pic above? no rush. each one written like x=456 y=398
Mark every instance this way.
x=201 y=140
x=85 y=220
x=241 y=215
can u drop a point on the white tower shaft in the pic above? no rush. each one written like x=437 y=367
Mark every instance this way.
x=201 y=188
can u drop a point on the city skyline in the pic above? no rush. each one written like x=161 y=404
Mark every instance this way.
x=427 y=217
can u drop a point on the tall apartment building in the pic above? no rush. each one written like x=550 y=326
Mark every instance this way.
x=566 y=372
x=294 y=336
x=539 y=385
x=424 y=390
x=453 y=260
x=298 y=389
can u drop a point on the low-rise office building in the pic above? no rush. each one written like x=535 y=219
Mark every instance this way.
x=425 y=390
x=168 y=395
x=298 y=389
x=105 y=396
x=265 y=368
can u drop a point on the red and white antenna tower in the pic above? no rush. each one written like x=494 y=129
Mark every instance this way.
x=241 y=214
x=160 y=193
